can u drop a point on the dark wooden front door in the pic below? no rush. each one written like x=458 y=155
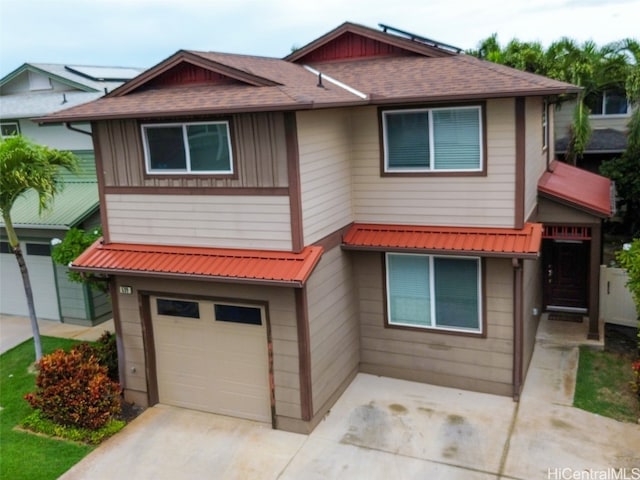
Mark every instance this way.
x=566 y=267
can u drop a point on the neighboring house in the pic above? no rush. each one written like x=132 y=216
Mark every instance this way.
x=374 y=202
x=33 y=90
x=609 y=118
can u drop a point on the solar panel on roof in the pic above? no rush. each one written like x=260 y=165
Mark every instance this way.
x=104 y=74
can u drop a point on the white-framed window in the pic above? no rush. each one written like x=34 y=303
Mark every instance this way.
x=9 y=129
x=545 y=125
x=433 y=140
x=434 y=292
x=609 y=102
x=191 y=148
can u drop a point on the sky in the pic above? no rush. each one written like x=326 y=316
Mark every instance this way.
x=141 y=33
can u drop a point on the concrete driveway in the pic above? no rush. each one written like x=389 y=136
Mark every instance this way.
x=383 y=428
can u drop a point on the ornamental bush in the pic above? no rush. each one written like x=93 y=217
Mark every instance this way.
x=74 y=389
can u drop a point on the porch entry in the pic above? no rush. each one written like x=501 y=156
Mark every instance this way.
x=565 y=257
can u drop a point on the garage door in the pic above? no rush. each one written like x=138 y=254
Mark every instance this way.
x=212 y=357
x=12 y=297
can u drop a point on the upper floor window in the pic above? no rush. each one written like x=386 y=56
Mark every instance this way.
x=193 y=148
x=434 y=292
x=609 y=102
x=9 y=129
x=433 y=140
x=545 y=124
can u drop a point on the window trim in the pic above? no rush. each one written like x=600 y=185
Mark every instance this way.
x=545 y=125
x=480 y=333
x=482 y=171
x=150 y=173
x=10 y=122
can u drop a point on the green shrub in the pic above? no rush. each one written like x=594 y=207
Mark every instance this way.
x=105 y=351
x=74 y=389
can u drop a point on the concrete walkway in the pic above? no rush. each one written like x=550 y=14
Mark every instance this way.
x=385 y=428
x=14 y=330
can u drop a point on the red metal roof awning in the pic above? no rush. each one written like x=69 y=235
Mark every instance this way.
x=486 y=242
x=213 y=264
x=578 y=188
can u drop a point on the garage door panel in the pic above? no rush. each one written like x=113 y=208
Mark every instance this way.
x=210 y=365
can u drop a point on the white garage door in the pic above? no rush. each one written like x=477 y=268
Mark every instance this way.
x=212 y=357
x=43 y=284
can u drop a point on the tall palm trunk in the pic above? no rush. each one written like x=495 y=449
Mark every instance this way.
x=15 y=245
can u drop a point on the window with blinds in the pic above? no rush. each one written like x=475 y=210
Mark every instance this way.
x=434 y=292
x=434 y=139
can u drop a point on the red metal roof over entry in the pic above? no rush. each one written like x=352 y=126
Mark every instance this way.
x=216 y=264
x=489 y=242
x=577 y=187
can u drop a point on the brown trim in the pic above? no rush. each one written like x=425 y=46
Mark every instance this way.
x=520 y=111
x=449 y=253
x=117 y=325
x=594 y=282
x=518 y=326
x=434 y=173
x=304 y=354
x=104 y=220
x=149 y=348
x=293 y=173
x=257 y=191
x=190 y=276
x=334 y=239
x=234 y=175
x=483 y=312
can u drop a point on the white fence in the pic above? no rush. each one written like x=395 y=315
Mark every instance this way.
x=616 y=303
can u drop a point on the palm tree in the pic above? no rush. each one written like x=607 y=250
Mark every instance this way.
x=25 y=166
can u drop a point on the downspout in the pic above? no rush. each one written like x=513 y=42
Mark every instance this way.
x=71 y=127
x=518 y=326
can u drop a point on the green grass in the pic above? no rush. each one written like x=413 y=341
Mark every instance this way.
x=602 y=385
x=25 y=455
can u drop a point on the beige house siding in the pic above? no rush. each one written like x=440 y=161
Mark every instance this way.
x=436 y=200
x=564 y=118
x=480 y=364
x=259 y=150
x=254 y=222
x=553 y=212
x=532 y=287
x=535 y=155
x=282 y=322
x=333 y=324
x=325 y=172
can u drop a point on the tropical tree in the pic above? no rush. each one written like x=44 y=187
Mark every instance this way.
x=26 y=166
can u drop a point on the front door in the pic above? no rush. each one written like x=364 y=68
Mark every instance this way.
x=566 y=267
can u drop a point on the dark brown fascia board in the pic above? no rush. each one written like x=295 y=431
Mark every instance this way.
x=369 y=33
x=373 y=100
x=194 y=59
x=432 y=251
x=187 y=276
x=569 y=203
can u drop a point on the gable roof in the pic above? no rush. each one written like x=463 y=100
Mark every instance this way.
x=219 y=83
x=216 y=264
x=578 y=188
x=487 y=242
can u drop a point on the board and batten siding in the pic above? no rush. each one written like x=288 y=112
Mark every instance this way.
x=535 y=155
x=325 y=172
x=333 y=327
x=485 y=201
x=282 y=321
x=259 y=149
x=471 y=363
x=234 y=221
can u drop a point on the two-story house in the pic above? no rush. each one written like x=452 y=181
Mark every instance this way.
x=33 y=90
x=374 y=202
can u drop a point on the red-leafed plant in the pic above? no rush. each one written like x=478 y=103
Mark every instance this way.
x=74 y=389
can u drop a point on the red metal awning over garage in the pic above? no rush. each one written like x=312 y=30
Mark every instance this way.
x=213 y=264
x=487 y=242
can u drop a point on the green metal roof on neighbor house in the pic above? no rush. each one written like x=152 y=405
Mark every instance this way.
x=76 y=202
